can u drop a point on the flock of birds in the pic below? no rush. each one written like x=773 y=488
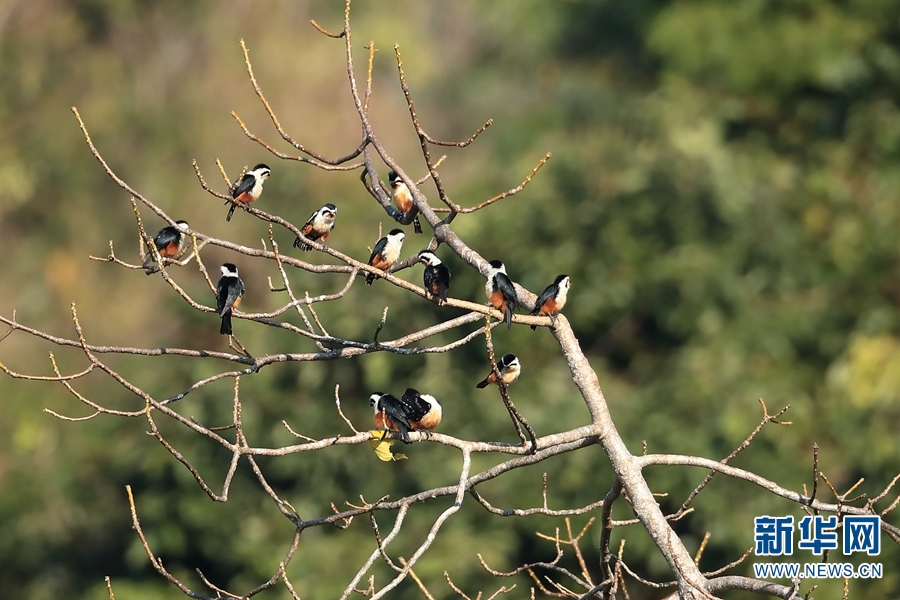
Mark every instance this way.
x=413 y=411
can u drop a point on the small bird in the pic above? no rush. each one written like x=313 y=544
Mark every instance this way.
x=386 y=253
x=423 y=411
x=500 y=291
x=229 y=293
x=390 y=413
x=318 y=227
x=169 y=242
x=248 y=188
x=437 y=276
x=509 y=368
x=403 y=198
x=552 y=299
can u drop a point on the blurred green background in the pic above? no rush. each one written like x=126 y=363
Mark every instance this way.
x=723 y=191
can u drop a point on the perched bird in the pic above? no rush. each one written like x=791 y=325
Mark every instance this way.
x=423 y=411
x=552 y=299
x=500 y=291
x=437 y=275
x=390 y=413
x=169 y=242
x=318 y=227
x=229 y=293
x=248 y=189
x=402 y=198
x=386 y=253
x=509 y=368
x=412 y=412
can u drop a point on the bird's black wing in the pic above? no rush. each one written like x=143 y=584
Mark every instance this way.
x=298 y=243
x=221 y=295
x=166 y=236
x=416 y=407
x=548 y=293
x=395 y=410
x=379 y=248
x=438 y=277
x=244 y=185
x=507 y=289
x=505 y=284
x=225 y=299
x=430 y=278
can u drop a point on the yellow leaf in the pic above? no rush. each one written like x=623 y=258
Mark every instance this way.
x=382 y=446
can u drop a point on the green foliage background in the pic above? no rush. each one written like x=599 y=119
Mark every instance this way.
x=723 y=192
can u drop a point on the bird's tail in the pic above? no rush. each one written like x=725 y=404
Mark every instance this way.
x=404 y=433
x=231 y=211
x=370 y=278
x=417 y=226
x=225 y=329
x=482 y=384
x=509 y=314
x=146 y=265
x=301 y=245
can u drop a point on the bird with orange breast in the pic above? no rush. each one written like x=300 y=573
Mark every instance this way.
x=411 y=412
x=390 y=414
x=386 y=253
x=169 y=242
x=248 y=189
x=436 y=277
x=423 y=411
x=403 y=198
x=552 y=299
x=509 y=368
x=500 y=291
x=318 y=227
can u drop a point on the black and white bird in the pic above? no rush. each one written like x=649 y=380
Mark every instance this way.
x=437 y=276
x=411 y=412
x=169 y=242
x=423 y=411
x=509 y=368
x=500 y=291
x=248 y=189
x=390 y=414
x=403 y=198
x=552 y=299
x=229 y=293
x=318 y=227
x=386 y=253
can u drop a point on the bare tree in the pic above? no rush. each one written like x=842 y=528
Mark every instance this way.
x=601 y=570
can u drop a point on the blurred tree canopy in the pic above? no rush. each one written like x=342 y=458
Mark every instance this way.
x=723 y=192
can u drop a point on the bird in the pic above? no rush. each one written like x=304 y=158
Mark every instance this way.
x=169 y=242
x=423 y=411
x=386 y=253
x=402 y=198
x=509 y=368
x=229 y=293
x=437 y=276
x=552 y=299
x=412 y=412
x=390 y=413
x=248 y=188
x=318 y=227
x=500 y=291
